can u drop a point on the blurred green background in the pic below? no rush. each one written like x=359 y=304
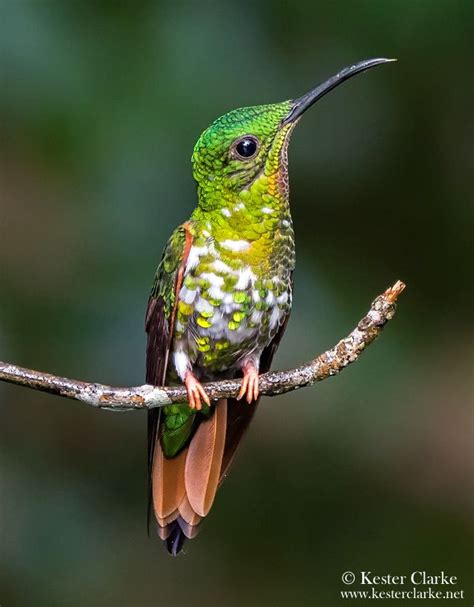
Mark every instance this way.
x=100 y=106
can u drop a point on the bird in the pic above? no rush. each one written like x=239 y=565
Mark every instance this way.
x=219 y=304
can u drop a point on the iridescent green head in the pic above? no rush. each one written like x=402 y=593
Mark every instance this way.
x=237 y=146
x=251 y=141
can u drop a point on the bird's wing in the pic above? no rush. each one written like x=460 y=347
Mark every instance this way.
x=239 y=413
x=159 y=322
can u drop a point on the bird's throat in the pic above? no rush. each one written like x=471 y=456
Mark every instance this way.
x=251 y=223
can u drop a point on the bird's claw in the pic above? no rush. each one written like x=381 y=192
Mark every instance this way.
x=249 y=384
x=196 y=392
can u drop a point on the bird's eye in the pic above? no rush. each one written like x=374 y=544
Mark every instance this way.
x=246 y=147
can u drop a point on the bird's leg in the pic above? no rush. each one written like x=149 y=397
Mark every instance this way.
x=249 y=383
x=195 y=392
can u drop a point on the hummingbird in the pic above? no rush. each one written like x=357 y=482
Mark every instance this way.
x=220 y=302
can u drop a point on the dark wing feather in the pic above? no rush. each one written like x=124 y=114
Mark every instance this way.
x=159 y=322
x=158 y=346
x=239 y=412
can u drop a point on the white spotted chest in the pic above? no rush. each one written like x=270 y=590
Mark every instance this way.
x=243 y=315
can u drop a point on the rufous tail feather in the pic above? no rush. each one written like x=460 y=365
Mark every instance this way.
x=184 y=487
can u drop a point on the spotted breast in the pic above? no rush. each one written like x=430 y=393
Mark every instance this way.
x=229 y=309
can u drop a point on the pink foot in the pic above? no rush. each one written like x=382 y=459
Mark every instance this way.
x=249 y=383
x=195 y=392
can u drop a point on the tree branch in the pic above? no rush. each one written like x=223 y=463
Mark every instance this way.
x=273 y=383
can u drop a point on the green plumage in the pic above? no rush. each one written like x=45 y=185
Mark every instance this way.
x=220 y=302
x=234 y=297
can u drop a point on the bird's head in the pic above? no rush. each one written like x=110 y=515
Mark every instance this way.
x=248 y=143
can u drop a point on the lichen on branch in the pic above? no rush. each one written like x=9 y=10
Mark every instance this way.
x=272 y=383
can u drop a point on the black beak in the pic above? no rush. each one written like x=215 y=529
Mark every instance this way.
x=301 y=104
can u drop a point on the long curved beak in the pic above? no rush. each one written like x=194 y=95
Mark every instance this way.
x=301 y=104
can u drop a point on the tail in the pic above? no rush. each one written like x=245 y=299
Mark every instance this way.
x=184 y=487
